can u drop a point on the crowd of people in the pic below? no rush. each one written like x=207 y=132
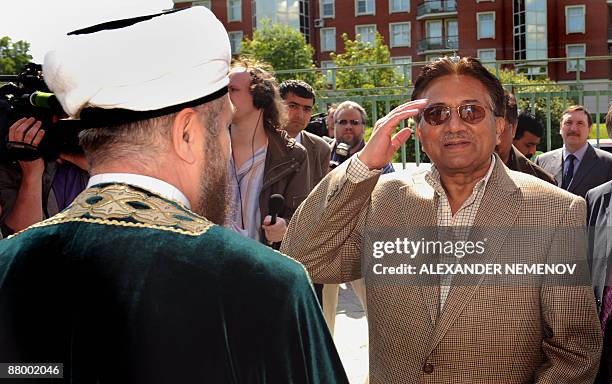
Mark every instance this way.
x=163 y=254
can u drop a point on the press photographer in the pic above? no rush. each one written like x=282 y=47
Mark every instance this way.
x=41 y=169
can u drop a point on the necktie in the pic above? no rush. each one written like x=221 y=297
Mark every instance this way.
x=568 y=171
x=606 y=307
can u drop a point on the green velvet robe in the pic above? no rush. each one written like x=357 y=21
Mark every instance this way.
x=125 y=286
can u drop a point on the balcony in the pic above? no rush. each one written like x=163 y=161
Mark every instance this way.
x=435 y=9
x=438 y=44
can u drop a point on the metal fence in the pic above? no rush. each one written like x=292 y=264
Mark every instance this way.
x=547 y=98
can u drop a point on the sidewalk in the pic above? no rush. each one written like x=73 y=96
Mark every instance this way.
x=351 y=335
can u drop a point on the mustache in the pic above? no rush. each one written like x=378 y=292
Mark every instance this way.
x=451 y=137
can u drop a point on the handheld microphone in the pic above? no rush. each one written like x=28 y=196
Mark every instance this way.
x=275 y=205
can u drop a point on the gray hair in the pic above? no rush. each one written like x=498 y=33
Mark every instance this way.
x=351 y=105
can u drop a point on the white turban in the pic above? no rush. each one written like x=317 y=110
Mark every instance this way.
x=160 y=62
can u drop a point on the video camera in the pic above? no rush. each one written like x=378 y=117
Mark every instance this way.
x=317 y=124
x=27 y=95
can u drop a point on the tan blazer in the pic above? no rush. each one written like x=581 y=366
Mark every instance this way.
x=485 y=333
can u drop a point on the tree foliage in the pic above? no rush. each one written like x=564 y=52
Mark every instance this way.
x=358 y=53
x=13 y=56
x=283 y=48
x=358 y=82
x=524 y=88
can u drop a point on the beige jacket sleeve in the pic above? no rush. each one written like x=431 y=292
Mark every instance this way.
x=326 y=230
x=572 y=342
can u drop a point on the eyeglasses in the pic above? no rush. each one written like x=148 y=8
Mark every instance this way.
x=440 y=114
x=351 y=122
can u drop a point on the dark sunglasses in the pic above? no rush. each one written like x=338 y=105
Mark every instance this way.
x=351 y=122
x=440 y=114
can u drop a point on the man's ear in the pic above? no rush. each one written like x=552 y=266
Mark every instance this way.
x=500 y=124
x=417 y=132
x=185 y=132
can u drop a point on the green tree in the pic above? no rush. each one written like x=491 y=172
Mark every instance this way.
x=359 y=82
x=13 y=56
x=524 y=88
x=283 y=48
x=358 y=53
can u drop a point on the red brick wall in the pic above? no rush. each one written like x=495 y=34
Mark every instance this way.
x=595 y=38
x=597 y=21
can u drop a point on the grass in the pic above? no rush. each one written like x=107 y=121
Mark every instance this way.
x=603 y=134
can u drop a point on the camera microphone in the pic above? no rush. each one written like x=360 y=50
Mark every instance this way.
x=275 y=205
x=343 y=152
x=44 y=100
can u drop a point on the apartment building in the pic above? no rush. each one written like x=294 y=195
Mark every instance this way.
x=418 y=30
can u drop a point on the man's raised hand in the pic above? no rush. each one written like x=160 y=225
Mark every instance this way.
x=379 y=150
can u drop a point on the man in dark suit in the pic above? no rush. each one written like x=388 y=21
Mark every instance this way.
x=299 y=98
x=577 y=167
x=599 y=221
x=509 y=154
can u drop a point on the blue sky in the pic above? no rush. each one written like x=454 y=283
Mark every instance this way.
x=42 y=22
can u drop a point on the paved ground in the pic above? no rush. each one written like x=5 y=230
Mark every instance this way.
x=351 y=335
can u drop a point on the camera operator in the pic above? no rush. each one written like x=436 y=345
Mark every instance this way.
x=31 y=191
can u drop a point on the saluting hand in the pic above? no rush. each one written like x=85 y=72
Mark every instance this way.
x=379 y=150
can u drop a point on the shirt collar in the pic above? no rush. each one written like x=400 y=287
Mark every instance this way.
x=152 y=184
x=298 y=138
x=579 y=153
x=433 y=178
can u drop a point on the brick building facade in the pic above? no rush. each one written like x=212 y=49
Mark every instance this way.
x=417 y=31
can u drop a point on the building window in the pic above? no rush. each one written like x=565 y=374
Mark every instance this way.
x=529 y=33
x=234 y=10
x=304 y=13
x=400 y=34
x=485 y=25
x=205 y=3
x=367 y=33
x=329 y=74
x=575 y=50
x=399 y=6
x=433 y=32
x=403 y=70
x=364 y=7
x=574 y=19
x=452 y=32
x=235 y=39
x=487 y=56
x=328 y=9
x=328 y=39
